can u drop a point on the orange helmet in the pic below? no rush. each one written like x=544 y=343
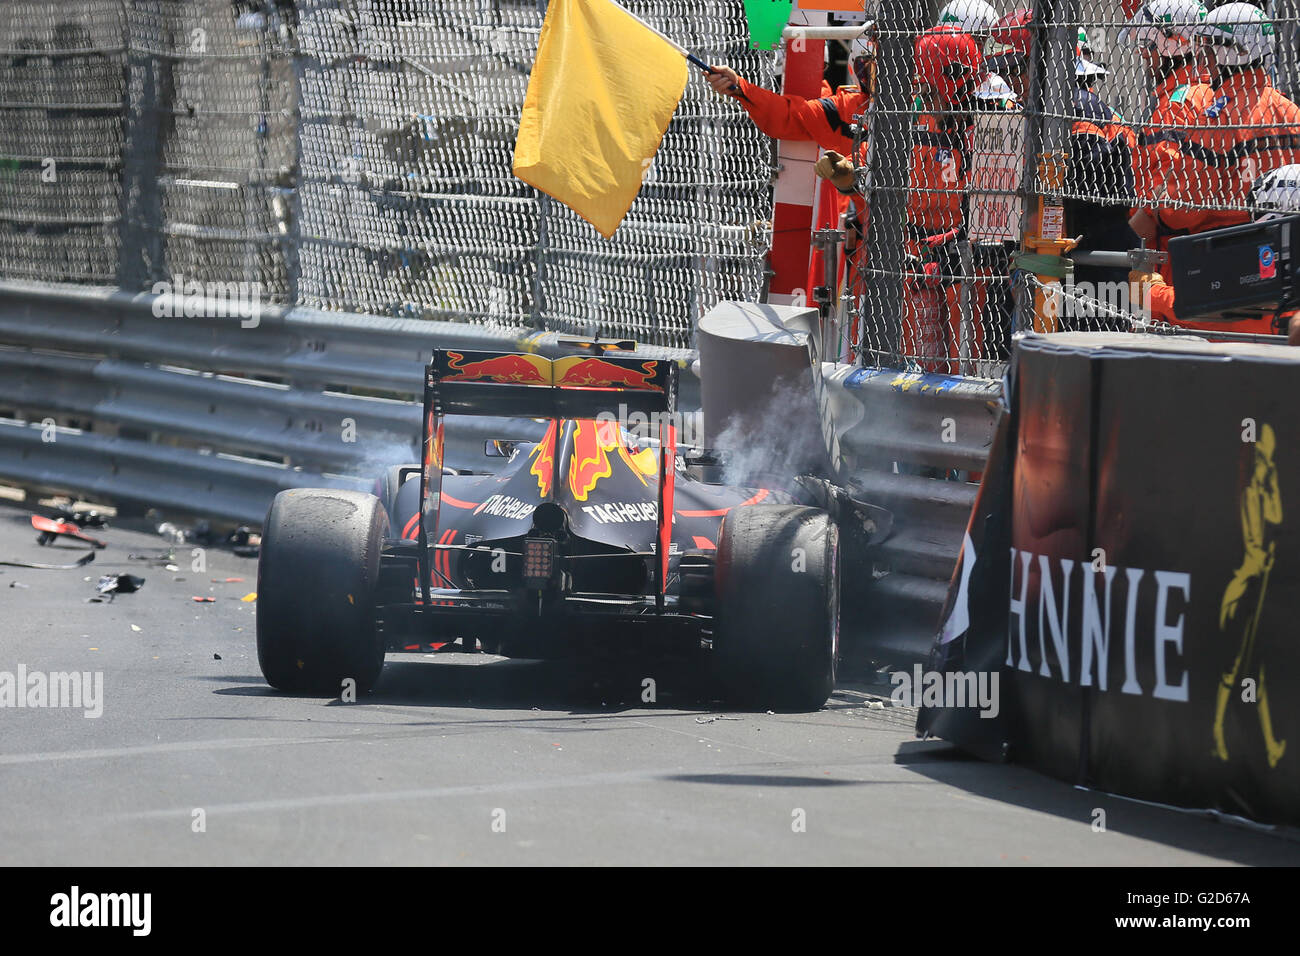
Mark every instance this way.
x=949 y=62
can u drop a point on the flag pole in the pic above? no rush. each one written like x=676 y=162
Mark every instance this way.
x=690 y=57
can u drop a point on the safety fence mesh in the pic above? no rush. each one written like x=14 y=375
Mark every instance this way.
x=61 y=140
x=1136 y=122
x=355 y=155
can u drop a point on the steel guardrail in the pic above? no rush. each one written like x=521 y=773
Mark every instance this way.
x=127 y=399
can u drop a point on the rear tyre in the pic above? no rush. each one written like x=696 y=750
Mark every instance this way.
x=776 y=640
x=316 y=591
x=389 y=484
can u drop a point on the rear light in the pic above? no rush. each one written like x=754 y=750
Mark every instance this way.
x=539 y=562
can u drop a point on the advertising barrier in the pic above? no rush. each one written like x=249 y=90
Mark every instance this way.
x=1129 y=574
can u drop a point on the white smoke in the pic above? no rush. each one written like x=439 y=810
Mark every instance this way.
x=381 y=454
x=772 y=443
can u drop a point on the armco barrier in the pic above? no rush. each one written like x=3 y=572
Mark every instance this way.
x=1132 y=574
x=910 y=442
x=202 y=415
x=213 y=413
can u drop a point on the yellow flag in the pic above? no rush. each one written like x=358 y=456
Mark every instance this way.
x=603 y=89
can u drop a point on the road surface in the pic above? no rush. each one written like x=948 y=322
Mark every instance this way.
x=477 y=760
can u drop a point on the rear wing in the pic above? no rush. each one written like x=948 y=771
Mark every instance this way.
x=523 y=385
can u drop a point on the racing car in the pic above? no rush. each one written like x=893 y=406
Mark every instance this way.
x=591 y=538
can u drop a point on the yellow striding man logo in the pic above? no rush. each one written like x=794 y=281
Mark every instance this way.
x=1243 y=600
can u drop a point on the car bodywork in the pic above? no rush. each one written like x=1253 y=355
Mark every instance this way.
x=588 y=529
x=589 y=540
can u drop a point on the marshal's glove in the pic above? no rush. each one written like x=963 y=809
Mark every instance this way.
x=839 y=170
x=1139 y=284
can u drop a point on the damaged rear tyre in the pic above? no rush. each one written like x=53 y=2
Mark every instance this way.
x=316 y=591
x=777 y=636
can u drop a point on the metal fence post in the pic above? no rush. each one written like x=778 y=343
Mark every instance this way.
x=539 y=263
x=1058 y=63
x=890 y=144
x=147 y=86
x=1048 y=110
x=292 y=245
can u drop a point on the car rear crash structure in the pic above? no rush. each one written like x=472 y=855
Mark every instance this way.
x=591 y=539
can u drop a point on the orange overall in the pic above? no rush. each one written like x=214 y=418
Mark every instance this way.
x=828 y=122
x=1225 y=139
x=1217 y=142
x=1157 y=152
x=937 y=183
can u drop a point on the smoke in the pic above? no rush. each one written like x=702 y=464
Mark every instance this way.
x=463 y=440
x=380 y=454
x=773 y=442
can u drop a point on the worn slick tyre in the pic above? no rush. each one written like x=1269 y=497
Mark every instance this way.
x=315 y=591
x=776 y=639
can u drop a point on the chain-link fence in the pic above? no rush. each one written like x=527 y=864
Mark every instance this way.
x=1118 y=123
x=61 y=141
x=356 y=155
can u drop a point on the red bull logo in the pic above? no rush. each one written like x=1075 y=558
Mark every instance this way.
x=598 y=373
x=589 y=461
x=642 y=463
x=502 y=369
x=593 y=441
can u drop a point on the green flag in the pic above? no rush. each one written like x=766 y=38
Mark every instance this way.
x=767 y=18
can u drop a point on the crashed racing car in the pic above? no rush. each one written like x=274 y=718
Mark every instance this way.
x=593 y=538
